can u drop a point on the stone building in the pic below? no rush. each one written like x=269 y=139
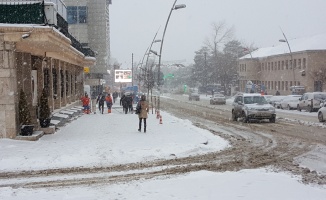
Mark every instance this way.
x=276 y=69
x=36 y=55
x=88 y=22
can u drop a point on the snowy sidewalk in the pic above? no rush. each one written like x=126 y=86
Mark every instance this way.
x=108 y=139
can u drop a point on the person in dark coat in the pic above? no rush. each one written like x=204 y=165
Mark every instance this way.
x=101 y=100
x=123 y=103
x=115 y=96
x=143 y=105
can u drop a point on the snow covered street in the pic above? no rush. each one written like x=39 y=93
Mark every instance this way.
x=105 y=157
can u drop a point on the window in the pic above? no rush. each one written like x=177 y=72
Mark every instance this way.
x=77 y=14
x=279 y=85
x=294 y=63
x=55 y=83
x=283 y=85
x=67 y=83
x=298 y=83
x=272 y=85
x=286 y=64
x=278 y=65
x=290 y=83
x=46 y=78
x=272 y=67
x=304 y=64
x=269 y=66
x=282 y=65
x=299 y=63
x=62 y=84
x=286 y=86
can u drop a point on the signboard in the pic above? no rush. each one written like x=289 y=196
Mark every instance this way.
x=86 y=70
x=122 y=76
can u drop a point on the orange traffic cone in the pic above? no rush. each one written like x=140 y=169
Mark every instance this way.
x=109 y=110
x=161 y=119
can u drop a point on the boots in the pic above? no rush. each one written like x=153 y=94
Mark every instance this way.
x=144 y=129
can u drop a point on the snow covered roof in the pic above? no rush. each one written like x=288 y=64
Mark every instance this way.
x=317 y=42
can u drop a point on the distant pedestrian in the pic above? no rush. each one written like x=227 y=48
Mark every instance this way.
x=108 y=100
x=101 y=101
x=85 y=99
x=115 y=96
x=142 y=106
x=277 y=93
x=123 y=103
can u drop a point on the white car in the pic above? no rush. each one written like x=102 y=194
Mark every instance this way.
x=276 y=101
x=217 y=99
x=290 y=102
x=322 y=113
x=252 y=106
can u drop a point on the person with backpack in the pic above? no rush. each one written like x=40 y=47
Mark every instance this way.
x=108 y=100
x=142 y=110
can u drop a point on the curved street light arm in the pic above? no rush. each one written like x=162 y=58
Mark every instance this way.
x=287 y=42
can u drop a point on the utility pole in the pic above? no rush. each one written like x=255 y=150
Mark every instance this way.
x=132 y=69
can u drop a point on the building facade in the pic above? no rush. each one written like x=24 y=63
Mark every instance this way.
x=89 y=22
x=35 y=55
x=275 y=69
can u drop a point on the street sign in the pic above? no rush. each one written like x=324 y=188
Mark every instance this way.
x=86 y=70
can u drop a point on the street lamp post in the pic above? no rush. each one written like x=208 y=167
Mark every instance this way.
x=286 y=40
x=174 y=7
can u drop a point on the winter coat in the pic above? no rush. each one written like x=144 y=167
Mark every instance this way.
x=108 y=100
x=126 y=101
x=144 y=109
x=122 y=101
x=102 y=99
x=85 y=101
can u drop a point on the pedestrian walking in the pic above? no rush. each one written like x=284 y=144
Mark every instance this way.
x=101 y=100
x=108 y=100
x=115 y=96
x=126 y=102
x=142 y=111
x=85 y=100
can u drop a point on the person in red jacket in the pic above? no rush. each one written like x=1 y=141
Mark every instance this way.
x=85 y=99
x=108 y=100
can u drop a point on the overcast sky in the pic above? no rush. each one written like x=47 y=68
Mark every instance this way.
x=133 y=24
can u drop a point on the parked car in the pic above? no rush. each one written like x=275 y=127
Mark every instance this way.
x=276 y=101
x=252 y=106
x=322 y=113
x=217 y=99
x=194 y=96
x=311 y=101
x=290 y=102
x=268 y=98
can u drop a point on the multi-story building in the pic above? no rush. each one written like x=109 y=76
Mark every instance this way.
x=89 y=22
x=37 y=53
x=277 y=68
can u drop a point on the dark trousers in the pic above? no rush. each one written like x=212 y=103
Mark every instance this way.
x=140 y=122
x=101 y=107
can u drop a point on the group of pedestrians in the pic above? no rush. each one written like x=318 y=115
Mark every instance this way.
x=101 y=98
x=126 y=101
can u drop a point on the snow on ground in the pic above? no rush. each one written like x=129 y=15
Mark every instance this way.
x=253 y=184
x=109 y=139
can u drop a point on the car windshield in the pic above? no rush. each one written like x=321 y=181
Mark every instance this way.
x=255 y=99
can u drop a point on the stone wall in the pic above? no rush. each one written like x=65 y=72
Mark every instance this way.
x=8 y=90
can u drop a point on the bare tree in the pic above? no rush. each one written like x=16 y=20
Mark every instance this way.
x=221 y=34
